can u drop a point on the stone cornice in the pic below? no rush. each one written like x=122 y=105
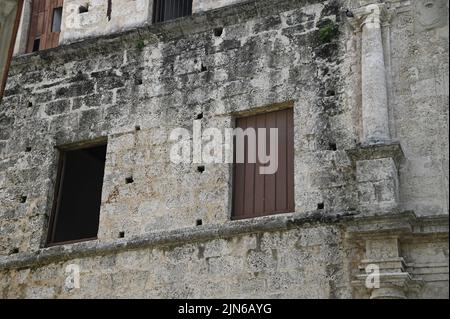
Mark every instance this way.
x=354 y=224
x=377 y=151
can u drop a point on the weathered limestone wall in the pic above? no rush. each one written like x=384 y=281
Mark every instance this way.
x=160 y=77
x=125 y=14
x=419 y=80
x=106 y=88
x=289 y=264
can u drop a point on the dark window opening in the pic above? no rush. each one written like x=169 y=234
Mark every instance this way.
x=320 y=206
x=76 y=209
x=122 y=234
x=164 y=10
x=199 y=222
x=256 y=194
x=36 y=44
x=57 y=17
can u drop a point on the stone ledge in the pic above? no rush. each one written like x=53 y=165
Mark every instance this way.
x=376 y=151
x=169 y=238
x=204 y=233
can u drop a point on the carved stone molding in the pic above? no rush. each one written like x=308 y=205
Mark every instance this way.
x=383 y=255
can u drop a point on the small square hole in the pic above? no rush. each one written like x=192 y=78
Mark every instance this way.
x=30 y=104
x=320 y=206
x=201 y=169
x=199 y=116
x=199 y=222
x=14 y=251
x=28 y=149
x=332 y=147
x=129 y=180
x=122 y=234
x=83 y=9
x=218 y=32
x=23 y=199
x=137 y=127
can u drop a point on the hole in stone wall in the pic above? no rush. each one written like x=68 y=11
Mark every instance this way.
x=14 y=251
x=331 y=93
x=129 y=180
x=30 y=104
x=199 y=222
x=122 y=234
x=201 y=169
x=320 y=206
x=138 y=81
x=28 y=149
x=23 y=199
x=218 y=32
x=199 y=116
x=203 y=69
x=137 y=128
x=332 y=147
x=84 y=8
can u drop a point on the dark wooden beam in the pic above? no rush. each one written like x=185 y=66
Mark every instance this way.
x=8 y=33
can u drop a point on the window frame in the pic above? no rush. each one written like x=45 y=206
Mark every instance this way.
x=62 y=151
x=254 y=113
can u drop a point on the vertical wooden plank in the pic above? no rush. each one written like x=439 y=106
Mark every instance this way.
x=259 y=178
x=290 y=160
x=281 y=198
x=270 y=180
x=249 y=208
x=40 y=24
x=33 y=25
x=239 y=180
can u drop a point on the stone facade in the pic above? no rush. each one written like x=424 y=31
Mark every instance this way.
x=369 y=86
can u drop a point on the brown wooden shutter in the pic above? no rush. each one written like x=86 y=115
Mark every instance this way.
x=255 y=194
x=40 y=35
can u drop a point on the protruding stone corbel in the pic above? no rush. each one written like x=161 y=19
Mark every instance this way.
x=376 y=168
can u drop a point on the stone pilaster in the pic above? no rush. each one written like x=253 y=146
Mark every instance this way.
x=377 y=158
x=375 y=121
